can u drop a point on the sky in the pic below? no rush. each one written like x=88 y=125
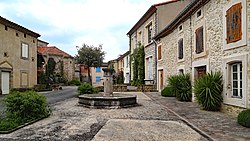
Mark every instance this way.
x=70 y=23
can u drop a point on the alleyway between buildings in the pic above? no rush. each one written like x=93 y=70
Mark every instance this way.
x=154 y=119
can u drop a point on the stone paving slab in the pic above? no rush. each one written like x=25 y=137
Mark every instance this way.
x=145 y=130
x=218 y=125
x=73 y=122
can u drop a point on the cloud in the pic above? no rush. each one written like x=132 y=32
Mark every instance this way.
x=70 y=23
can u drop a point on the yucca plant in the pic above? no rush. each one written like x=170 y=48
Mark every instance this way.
x=173 y=82
x=184 y=88
x=208 y=91
x=167 y=92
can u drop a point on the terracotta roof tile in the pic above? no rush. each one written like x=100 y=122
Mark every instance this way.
x=52 y=50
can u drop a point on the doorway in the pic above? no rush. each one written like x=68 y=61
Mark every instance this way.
x=5 y=82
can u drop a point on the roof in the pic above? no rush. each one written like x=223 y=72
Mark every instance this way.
x=186 y=13
x=52 y=50
x=18 y=27
x=147 y=15
x=43 y=41
x=123 y=55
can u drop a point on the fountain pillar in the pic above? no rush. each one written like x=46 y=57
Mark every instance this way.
x=108 y=81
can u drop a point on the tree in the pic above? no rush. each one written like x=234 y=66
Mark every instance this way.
x=90 y=56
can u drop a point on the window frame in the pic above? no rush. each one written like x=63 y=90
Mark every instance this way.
x=238 y=80
x=149 y=27
x=22 y=52
x=178 y=49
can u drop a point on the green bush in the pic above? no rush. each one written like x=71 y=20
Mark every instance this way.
x=244 y=118
x=75 y=82
x=184 y=88
x=208 y=91
x=173 y=82
x=167 y=92
x=86 y=89
x=27 y=105
x=181 y=86
x=23 y=107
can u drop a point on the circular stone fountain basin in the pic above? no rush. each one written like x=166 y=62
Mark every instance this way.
x=107 y=101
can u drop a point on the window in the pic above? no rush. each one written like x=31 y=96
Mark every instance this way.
x=140 y=37
x=24 y=35
x=233 y=23
x=24 y=50
x=149 y=29
x=159 y=52
x=200 y=71
x=149 y=63
x=180 y=49
x=127 y=62
x=198 y=14
x=181 y=71
x=180 y=28
x=135 y=44
x=199 y=40
x=98 y=79
x=236 y=79
x=17 y=34
x=6 y=27
x=98 y=69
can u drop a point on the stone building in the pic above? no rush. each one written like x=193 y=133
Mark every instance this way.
x=18 y=56
x=97 y=75
x=65 y=65
x=149 y=25
x=126 y=67
x=210 y=35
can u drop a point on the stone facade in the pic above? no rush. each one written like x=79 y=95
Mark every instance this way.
x=217 y=54
x=18 y=56
x=65 y=64
x=153 y=21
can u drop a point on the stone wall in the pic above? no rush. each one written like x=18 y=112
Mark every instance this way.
x=217 y=55
x=10 y=56
x=143 y=88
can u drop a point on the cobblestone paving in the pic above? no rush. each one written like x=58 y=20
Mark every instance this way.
x=70 y=121
x=218 y=125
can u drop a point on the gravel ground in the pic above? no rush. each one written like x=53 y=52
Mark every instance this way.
x=70 y=121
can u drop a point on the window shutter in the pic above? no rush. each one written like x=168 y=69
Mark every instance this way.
x=159 y=52
x=199 y=40
x=180 y=48
x=233 y=23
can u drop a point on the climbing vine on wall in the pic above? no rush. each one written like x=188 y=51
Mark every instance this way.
x=137 y=63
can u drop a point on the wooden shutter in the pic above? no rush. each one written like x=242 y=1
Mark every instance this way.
x=199 y=40
x=159 y=52
x=233 y=23
x=180 y=49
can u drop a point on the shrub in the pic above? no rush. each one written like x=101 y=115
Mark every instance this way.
x=244 y=118
x=184 y=88
x=27 y=105
x=173 y=82
x=75 y=82
x=208 y=91
x=86 y=89
x=181 y=86
x=167 y=92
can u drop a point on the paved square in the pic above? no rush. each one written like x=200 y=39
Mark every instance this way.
x=70 y=121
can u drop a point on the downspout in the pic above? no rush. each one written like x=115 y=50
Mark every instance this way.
x=155 y=43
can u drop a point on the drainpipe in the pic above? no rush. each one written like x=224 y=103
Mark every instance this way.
x=155 y=43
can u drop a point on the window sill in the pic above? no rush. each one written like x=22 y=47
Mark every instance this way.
x=180 y=60
x=202 y=54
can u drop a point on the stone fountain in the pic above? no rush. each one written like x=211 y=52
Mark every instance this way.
x=108 y=99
